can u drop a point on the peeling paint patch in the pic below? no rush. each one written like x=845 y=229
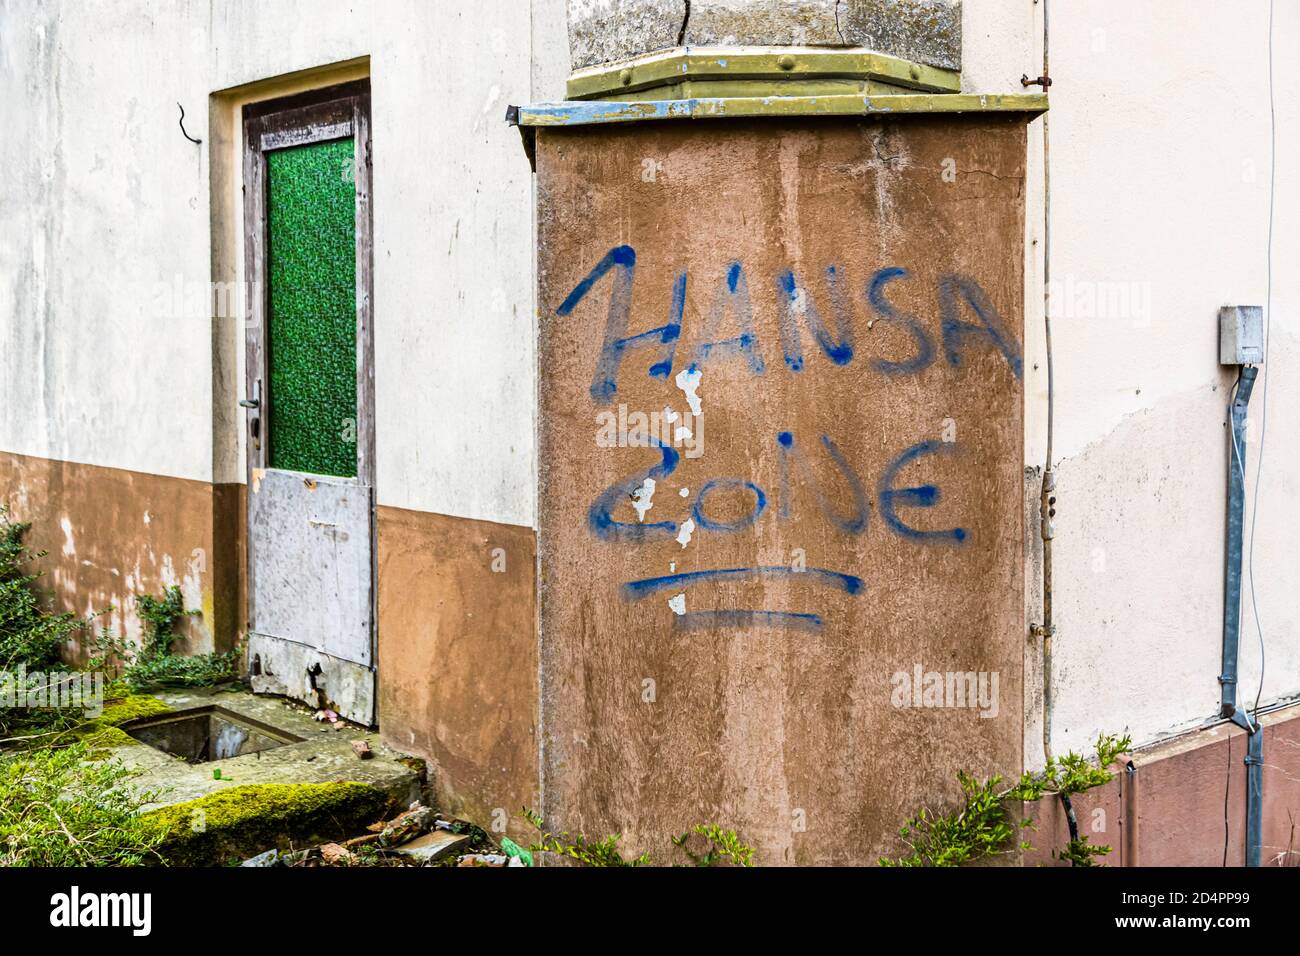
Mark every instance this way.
x=642 y=498
x=688 y=380
x=69 y=545
x=685 y=532
x=678 y=603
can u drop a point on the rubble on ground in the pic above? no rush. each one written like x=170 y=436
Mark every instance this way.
x=418 y=836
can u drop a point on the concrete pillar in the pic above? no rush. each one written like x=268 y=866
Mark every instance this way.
x=780 y=299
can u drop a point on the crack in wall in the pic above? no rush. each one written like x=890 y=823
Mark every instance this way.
x=681 y=34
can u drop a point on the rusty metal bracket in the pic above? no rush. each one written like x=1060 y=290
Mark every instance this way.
x=527 y=135
x=1043 y=81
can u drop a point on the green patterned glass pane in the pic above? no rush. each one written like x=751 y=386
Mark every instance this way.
x=311 y=229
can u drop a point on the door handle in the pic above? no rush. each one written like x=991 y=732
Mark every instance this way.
x=254 y=421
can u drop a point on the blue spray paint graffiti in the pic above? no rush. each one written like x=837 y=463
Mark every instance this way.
x=968 y=322
x=924 y=347
x=729 y=617
x=956 y=294
x=733 y=295
x=623 y=258
x=835 y=580
x=704 y=522
x=923 y=496
x=600 y=516
x=856 y=523
x=953 y=289
x=795 y=300
x=735 y=617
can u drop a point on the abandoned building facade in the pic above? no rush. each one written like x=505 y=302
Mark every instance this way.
x=638 y=409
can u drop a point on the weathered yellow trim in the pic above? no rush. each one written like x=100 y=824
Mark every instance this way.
x=765 y=71
x=737 y=89
x=588 y=112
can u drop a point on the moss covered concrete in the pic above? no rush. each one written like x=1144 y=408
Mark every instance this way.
x=103 y=733
x=322 y=754
x=235 y=824
x=131 y=707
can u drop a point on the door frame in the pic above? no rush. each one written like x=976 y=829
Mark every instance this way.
x=330 y=113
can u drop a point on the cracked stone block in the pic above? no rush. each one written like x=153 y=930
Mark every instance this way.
x=601 y=31
x=604 y=31
x=765 y=23
x=927 y=31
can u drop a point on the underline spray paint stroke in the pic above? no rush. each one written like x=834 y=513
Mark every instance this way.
x=635 y=590
x=693 y=620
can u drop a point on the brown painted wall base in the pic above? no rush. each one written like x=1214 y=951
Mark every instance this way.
x=458 y=658
x=1188 y=797
x=457 y=611
x=112 y=534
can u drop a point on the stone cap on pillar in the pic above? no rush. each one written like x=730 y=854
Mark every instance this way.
x=926 y=32
x=695 y=72
x=646 y=60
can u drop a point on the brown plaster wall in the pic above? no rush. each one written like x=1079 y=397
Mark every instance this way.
x=1189 y=794
x=112 y=534
x=458 y=658
x=655 y=720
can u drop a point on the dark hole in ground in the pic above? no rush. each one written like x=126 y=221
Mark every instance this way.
x=202 y=734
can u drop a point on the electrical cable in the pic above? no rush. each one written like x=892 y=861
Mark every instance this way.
x=1268 y=321
x=1263 y=426
x=1227 y=789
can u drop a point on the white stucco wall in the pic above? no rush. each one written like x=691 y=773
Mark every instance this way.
x=1160 y=182
x=105 y=208
x=104 y=203
x=1160 y=186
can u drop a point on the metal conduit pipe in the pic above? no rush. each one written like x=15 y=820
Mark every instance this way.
x=1047 y=498
x=1228 y=703
x=1236 y=519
